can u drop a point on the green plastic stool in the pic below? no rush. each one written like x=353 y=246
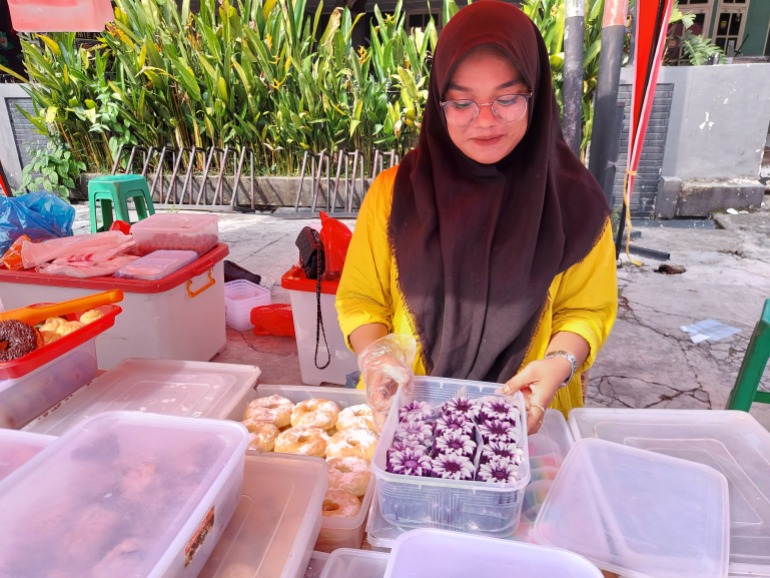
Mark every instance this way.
x=745 y=391
x=111 y=193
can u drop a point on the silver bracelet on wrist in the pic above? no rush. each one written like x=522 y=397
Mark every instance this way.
x=569 y=357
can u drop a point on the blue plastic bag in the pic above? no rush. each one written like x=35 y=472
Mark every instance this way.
x=39 y=215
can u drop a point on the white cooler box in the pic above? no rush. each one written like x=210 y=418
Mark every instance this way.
x=181 y=316
x=304 y=308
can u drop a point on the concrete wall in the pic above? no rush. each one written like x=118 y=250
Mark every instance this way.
x=717 y=127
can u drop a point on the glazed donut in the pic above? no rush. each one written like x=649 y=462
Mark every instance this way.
x=339 y=503
x=305 y=441
x=357 y=442
x=16 y=339
x=315 y=413
x=262 y=435
x=351 y=474
x=356 y=416
x=275 y=409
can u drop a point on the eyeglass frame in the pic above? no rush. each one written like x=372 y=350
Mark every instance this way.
x=526 y=95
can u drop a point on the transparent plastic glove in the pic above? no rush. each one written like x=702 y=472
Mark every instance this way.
x=386 y=365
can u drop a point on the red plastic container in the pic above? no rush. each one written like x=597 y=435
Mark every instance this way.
x=23 y=365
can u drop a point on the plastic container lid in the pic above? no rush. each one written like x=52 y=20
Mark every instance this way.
x=277 y=521
x=122 y=494
x=352 y=563
x=428 y=553
x=731 y=441
x=638 y=513
x=17 y=447
x=163 y=386
x=157 y=264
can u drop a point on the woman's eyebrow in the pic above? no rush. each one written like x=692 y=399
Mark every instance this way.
x=509 y=84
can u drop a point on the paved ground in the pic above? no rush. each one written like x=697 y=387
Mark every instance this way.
x=648 y=360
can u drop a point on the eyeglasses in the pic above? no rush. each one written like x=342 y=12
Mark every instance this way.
x=506 y=108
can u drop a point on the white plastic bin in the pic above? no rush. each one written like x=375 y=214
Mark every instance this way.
x=181 y=316
x=241 y=296
x=304 y=307
x=467 y=506
x=336 y=532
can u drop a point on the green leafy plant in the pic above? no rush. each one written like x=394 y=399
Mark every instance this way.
x=697 y=49
x=52 y=169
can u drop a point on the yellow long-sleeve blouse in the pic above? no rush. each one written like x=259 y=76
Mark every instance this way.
x=581 y=300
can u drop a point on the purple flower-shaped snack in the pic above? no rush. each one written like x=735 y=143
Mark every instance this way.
x=500 y=408
x=502 y=450
x=455 y=442
x=409 y=462
x=453 y=467
x=414 y=431
x=416 y=411
x=454 y=422
x=499 y=471
x=497 y=430
x=461 y=406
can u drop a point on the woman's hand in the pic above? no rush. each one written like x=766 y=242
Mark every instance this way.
x=538 y=381
x=386 y=365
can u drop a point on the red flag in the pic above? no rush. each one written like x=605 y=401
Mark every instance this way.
x=653 y=17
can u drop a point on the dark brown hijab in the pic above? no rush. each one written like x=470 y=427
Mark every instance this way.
x=477 y=246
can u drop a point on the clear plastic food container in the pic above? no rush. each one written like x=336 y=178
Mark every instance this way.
x=732 y=442
x=638 y=513
x=197 y=232
x=277 y=521
x=18 y=447
x=466 y=506
x=123 y=494
x=352 y=563
x=336 y=532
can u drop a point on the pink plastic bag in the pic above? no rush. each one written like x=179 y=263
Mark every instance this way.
x=335 y=237
x=94 y=247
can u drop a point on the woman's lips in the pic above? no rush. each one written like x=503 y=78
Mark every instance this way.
x=486 y=140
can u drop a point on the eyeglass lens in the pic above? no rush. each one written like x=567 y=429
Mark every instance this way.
x=506 y=108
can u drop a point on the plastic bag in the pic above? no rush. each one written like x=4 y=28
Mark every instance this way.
x=335 y=237
x=89 y=247
x=275 y=319
x=12 y=257
x=38 y=215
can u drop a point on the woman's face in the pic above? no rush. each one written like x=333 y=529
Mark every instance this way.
x=484 y=76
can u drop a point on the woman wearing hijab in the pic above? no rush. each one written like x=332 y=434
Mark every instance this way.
x=487 y=254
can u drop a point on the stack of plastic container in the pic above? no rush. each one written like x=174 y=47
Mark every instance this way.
x=728 y=441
